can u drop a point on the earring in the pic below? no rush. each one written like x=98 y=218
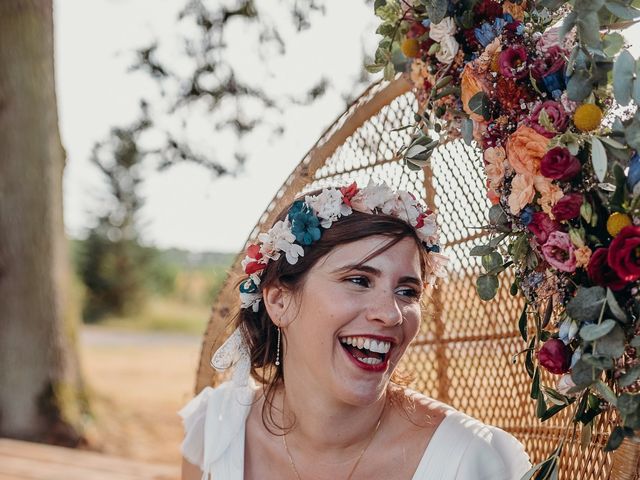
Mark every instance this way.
x=278 y=350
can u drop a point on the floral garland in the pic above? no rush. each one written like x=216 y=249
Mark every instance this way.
x=552 y=104
x=306 y=220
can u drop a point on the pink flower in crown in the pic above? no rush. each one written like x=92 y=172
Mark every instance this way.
x=427 y=228
x=560 y=252
x=403 y=206
x=254 y=261
x=328 y=206
x=436 y=264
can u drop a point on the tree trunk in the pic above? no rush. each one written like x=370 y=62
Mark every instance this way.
x=41 y=392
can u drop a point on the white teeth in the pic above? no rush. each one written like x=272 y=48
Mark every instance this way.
x=370 y=360
x=378 y=346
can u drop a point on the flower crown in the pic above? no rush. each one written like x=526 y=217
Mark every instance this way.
x=306 y=219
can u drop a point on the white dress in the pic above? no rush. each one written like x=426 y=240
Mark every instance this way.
x=461 y=448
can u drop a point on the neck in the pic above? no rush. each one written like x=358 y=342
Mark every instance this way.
x=323 y=424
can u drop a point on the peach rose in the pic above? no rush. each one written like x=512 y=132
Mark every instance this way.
x=515 y=10
x=470 y=84
x=522 y=192
x=550 y=193
x=487 y=58
x=525 y=149
x=494 y=158
x=583 y=255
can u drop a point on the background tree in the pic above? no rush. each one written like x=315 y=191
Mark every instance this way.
x=41 y=389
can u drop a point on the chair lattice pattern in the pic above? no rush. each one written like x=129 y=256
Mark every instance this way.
x=464 y=353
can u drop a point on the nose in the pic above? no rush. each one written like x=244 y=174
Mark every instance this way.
x=384 y=308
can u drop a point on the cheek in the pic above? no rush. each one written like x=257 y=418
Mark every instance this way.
x=413 y=318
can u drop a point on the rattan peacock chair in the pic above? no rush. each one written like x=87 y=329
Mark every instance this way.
x=464 y=353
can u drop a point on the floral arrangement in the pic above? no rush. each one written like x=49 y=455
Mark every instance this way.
x=551 y=100
x=308 y=218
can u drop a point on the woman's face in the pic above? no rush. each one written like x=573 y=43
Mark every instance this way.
x=347 y=330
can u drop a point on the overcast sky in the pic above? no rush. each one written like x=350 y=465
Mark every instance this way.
x=186 y=207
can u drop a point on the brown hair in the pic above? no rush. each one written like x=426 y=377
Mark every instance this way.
x=258 y=329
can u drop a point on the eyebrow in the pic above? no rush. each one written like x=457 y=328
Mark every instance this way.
x=375 y=272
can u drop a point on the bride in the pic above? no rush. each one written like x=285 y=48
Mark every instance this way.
x=331 y=301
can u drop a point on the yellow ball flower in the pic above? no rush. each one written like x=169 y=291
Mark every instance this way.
x=587 y=117
x=616 y=222
x=411 y=48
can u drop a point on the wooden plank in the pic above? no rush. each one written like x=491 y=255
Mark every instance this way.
x=30 y=461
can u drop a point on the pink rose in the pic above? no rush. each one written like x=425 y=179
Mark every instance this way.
x=559 y=164
x=512 y=62
x=623 y=253
x=552 y=62
x=555 y=356
x=542 y=226
x=568 y=207
x=559 y=252
x=525 y=149
x=557 y=117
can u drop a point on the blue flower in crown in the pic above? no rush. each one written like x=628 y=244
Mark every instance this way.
x=305 y=226
x=248 y=286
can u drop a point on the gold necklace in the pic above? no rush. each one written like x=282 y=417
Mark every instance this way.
x=355 y=465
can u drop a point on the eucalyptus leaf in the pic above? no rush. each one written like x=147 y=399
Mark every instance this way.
x=628 y=403
x=437 y=9
x=374 y=67
x=497 y=215
x=491 y=261
x=612 y=344
x=568 y=23
x=598 y=158
x=487 y=286
x=479 y=104
x=553 y=410
x=631 y=376
x=603 y=363
x=587 y=303
x=612 y=143
x=615 y=439
x=588 y=25
x=612 y=43
x=535 y=385
x=593 y=331
x=632 y=134
x=635 y=91
x=623 y=11
x=572 y=60
x=614 y=307
x=586 y=6
x=583 y=374
x=480 y=250
x=606 y=392
x=623 y=71
x=467 y=131
x=415 y=150
x=541 y=406
x=522 y=323
x=579 y=86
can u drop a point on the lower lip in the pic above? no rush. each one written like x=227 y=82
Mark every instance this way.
x=380 y=367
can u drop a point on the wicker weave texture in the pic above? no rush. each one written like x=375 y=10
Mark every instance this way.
x=464 y=353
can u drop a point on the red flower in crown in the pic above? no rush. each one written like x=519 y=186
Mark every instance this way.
x=348 y=193
x=253 y=253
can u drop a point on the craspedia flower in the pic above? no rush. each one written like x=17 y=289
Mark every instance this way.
x=411 y=48
x=616 y=222
x=587 y=117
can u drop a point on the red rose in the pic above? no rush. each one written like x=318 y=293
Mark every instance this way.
x=601 y=273
x=559 y=164
x=552 y=62
x=555 y=356
x=623 y=253
x=568 y=207
x=541 y=226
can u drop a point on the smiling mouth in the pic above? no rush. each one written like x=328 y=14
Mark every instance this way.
x=367 y=351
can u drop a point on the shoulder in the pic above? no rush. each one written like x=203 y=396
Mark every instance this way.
x=212 y=420
x=485 y=452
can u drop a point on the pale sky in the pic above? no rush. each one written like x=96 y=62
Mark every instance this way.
x=186 y=207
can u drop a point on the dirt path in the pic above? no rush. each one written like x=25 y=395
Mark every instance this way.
x=138 y=381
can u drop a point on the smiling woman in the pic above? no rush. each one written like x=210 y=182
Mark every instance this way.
x=330 y=304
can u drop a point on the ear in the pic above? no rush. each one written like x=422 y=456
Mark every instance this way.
x=277 y=301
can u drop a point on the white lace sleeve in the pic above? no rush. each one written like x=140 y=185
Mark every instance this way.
x=193 y=419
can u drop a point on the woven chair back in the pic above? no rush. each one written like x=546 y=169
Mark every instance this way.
x=464 y=353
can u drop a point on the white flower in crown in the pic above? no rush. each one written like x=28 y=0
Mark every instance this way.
x=250 y=300
x=372 y=197
x=280 y=239
x=328 y=206
x=403 y=206
x=446 y=28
